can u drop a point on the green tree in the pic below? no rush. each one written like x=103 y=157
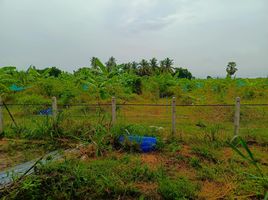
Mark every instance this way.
x=111 y=63
x=134 y=65
x=182 y=73
x=154 y=65
x=46 y=72
x=93 y=62
x=166 y=65
x=209 y=77
x=55 y=72
x=144 y=68
x=231 y=69
x=127 y=67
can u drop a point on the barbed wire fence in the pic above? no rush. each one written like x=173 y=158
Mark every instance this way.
x=176 y=118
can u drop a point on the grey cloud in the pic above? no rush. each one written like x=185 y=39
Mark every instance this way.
x=140 y=16
x=202 y=35
x=151 y=24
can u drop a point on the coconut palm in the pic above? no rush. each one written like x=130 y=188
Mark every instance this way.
x=154 y=65
x=111 y=63
x=144 y=68
x=166 y=65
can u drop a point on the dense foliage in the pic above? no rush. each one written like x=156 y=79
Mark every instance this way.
x=151 y=80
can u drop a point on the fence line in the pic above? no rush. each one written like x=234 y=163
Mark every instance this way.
x=133 y=104
x=113 y=105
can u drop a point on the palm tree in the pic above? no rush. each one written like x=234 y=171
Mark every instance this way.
x=93 y=62
x=111 y=63
x=127 y=67
x=144 y=68
x=154 y=65
x=166 y=65
x=134 y=65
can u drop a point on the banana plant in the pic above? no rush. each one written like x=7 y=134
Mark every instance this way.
x=97 y=78
x=6 y=79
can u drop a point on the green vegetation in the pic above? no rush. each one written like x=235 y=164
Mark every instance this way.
x=194 y=163
x=231 y=69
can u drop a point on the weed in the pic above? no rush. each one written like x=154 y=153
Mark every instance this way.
x=206 y=173
x=180 y=188
x=173 y=147
x=204 y=153
x=261 y=178
x=210 y=131
x=195 y=162
x=142 y=173
x=74 y=180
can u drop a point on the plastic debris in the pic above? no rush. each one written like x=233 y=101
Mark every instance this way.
x=146 y=144
x=46 y=112
x=85 y=87
x=199 y=85
x=241 y=83
x=16 y=88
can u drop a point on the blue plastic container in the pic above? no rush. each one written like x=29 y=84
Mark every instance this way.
x=146 y=144
x=46 y=112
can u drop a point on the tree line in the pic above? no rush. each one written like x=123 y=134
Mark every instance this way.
x=143 y=68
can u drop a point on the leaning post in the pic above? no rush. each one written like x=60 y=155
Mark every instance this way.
x=54 y=108
x=173 y=130
x=237 y=116
x=1 y=116
x=113 y=110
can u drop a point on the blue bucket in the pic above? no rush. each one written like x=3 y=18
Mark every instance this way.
x=146 y=144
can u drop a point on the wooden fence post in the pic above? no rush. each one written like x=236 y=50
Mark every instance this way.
x=54 y=108
x=173 y=130
x=113 y=110
x=1 y=117
x=237 y=116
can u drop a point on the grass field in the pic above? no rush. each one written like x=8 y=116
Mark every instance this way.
x=201 y=160
x=195 y=163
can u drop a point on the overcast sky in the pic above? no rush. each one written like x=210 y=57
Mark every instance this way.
x=201 y=35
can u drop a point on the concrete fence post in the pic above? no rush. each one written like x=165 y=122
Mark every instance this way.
x=173 y=130
x=54 y=108
x=1 y=116
x=113 y=110
x=237 y=116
